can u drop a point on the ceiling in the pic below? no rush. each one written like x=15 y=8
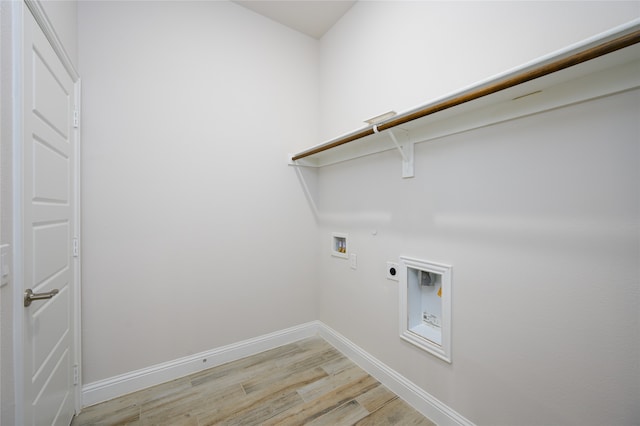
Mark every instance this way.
x=310 y=17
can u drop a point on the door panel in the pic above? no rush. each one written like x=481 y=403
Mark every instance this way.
x=50 y=252
x=51 y=174
x=48 y=168
x=51 y=324
x=50 y=97
x=53 y=398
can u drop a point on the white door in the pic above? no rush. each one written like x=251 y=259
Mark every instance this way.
x=48 y=203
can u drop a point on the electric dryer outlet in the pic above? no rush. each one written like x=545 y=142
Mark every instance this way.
x=393 y=271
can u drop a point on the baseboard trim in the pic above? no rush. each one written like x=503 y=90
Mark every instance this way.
x=415 y=396
x=104 y=390
x=421 y=400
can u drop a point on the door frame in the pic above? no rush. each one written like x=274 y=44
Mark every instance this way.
x=18 y=15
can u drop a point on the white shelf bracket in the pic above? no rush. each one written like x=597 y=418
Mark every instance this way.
x=400 y=149
x=406 y=150
x=407 y=160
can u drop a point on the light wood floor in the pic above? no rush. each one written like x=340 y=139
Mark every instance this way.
x=305 y=383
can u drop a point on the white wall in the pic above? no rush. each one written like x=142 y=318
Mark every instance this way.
x=396 y=55
x=6 y=315
x=540 y=216
x=195 y=233
x=175 y=261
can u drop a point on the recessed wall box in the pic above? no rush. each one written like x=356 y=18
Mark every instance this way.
x=425 y=306
x=339 y=245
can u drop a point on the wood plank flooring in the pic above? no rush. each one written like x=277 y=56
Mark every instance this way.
x=304 y=383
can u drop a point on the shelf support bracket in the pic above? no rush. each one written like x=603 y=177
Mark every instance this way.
x=406 y=151
x=407 y=162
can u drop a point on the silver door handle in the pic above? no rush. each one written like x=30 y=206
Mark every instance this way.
x=30 y=296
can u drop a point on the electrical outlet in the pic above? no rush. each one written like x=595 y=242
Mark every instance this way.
x=393 y=271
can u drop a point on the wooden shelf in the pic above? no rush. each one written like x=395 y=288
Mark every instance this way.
x=605 y=64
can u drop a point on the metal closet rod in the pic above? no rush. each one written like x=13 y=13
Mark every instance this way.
x=541 y=71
